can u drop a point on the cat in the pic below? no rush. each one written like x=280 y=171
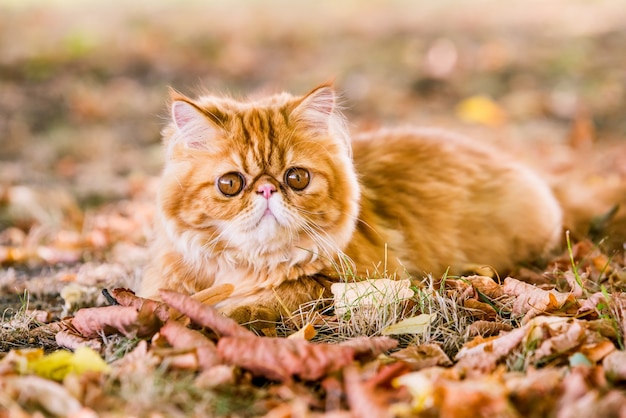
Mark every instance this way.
x=274 y=196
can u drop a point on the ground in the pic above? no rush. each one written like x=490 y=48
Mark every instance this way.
x=83 y=97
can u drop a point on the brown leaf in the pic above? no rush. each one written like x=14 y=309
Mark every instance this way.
x=281 y=358
x=127 y=297
x=483 y=397
x=127 y=320
x=50 y=396
x=182 y=337
x=204 y=315
x=480 y=310
x=369 y=347
x=615 y=366
x=485 y=356
x=569 y=336
x=363 y=398
x=423 y=356
x=597 y=351
x=72 y=341
x=487 y=328
x=536 y=392
x=532 y=301
x=487 y=286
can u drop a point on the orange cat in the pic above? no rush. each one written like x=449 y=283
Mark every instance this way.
x=272 y=194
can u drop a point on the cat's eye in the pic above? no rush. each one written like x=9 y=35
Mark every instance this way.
x=297 y=178
x=231 y=184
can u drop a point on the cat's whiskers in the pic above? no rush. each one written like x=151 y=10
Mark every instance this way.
x=329 y=248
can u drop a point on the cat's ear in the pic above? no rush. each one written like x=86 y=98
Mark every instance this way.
x=195 y=129
x=316 y=109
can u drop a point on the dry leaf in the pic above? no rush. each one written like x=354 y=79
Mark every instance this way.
x=532 y=301
x=568 y=339
x=487 y=328
x=182 y=337
x=369 y=347
x=47 y=394
x=615 y=366
x=363 y=399
x=483 y=397
x=486 y=286
x=480 y=310
x=421 y=385
x=415 y=325
x=369 y=294
x=423 y=356
x=126 y=297
x=281 y=358
x=486 y=355
x=68 y=339
x=204 y=315
x=597 y=351
x=126 y=320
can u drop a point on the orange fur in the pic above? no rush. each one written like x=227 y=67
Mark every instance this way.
x=392 y=201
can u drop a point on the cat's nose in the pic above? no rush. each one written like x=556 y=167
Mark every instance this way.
x=266 y=190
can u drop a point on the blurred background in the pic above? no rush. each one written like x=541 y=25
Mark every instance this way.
x=83 y=84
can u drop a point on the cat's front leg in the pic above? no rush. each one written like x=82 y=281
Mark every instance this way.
x=267 y=306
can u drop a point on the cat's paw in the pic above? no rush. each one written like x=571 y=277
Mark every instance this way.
x=255 y=316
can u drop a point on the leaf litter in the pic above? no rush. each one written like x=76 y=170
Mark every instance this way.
x=78 y=184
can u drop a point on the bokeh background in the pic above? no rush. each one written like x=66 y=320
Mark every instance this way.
x=83 y=84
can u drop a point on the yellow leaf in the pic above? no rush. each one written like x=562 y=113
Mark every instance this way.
x=414 y=325
x=480 y=109
x=59 y=364
x=421 y=388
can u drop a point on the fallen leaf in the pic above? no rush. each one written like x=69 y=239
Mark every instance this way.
x=363 y=399
x=487 y=328
x=531 y=301
x=49 y=395
x=68 y=339
x=282 y=359
x=421 y=386
x=126 y=320
x=369 y=347
x=486 y=286
x=60 y=363
x=126 y=297
x=597 y=351
x=182 y=337
x=569 y=337
x=486 y=396
x=204 y=315
x=415 y=325
x=422 y=356
x=615 y=366
x=480 y=310
x=480 y=109
x=486 y=355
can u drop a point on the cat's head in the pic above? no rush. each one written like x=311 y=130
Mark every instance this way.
x=268 y=177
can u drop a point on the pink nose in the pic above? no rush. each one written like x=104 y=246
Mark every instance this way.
x=266 y=190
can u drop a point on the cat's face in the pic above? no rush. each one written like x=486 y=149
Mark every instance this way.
x=259 y=178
